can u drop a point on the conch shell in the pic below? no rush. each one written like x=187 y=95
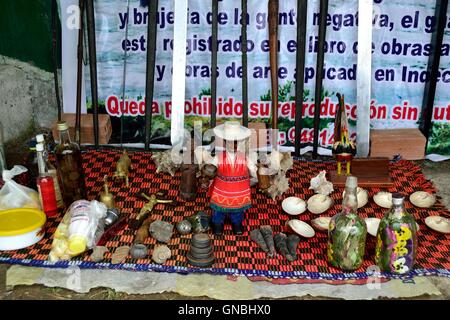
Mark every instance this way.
x=320 y=184
x=319 y=203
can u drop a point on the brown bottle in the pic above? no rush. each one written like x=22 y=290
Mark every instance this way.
x=68 y=157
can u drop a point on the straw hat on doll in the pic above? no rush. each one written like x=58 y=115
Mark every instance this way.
x=232 y=131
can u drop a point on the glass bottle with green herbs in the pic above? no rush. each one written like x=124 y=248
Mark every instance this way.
x=347 y=232
x=68 y=157
x=396 y=247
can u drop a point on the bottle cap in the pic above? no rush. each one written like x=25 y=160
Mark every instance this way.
x=39 y=147
x=352 y=182
x=62 y=125
x=40 y=138
x=77 y=244
x=397 y=198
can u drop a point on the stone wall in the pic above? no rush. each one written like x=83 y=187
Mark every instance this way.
x=27 y=98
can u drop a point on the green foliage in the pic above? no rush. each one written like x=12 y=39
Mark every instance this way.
x=439 y=141
x=204 y=92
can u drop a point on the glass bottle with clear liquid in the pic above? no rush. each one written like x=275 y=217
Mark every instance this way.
x=347 y=232
x=396 y=247
x=69 y=163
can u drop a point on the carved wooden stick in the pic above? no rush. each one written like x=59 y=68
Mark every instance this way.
x=273 y=44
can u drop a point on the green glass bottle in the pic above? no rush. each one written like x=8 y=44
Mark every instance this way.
x=396 y=247
x=347 y=232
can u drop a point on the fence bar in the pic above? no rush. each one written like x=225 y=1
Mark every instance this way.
x=79 y=74
x=150 y=69
x=215 y=27
x=319 y=77
x=433 y=67
x=244 y=64
x=93 y=65
x=54 y=60
x=302 y=13
x=273 y=44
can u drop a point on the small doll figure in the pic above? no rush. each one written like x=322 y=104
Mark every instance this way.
x=343 y=148
x=231 y=187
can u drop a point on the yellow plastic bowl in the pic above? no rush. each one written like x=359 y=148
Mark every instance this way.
x=21 y=228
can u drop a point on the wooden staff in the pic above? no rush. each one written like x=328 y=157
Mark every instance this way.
x=79 y=75
x=273 y=44
x=93 y=65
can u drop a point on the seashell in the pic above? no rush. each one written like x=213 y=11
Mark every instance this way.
x=362 y=195
x=161 y=231
x=422 y=199
x=293 y=206
x=321 y=223
x=320 y=184
x=184 y=227
x=301 y=228
x=383 y=199
x=120 y=254
x=138 y=251
x=438 y=223
x=319 y=203
x=99 y=253
x=161 y=254
x=372 y=225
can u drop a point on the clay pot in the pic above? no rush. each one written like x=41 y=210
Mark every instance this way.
x=138 y=251
x=184 y=227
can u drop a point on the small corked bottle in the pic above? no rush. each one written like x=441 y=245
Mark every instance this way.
x=45 y=184
x=396 y=247
x=52 y=171
x=347 y=232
